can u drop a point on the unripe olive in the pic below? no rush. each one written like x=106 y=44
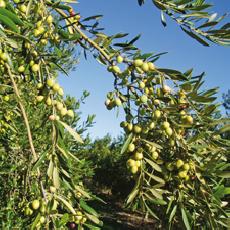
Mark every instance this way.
x=182 y=113
x=41 y=29
x=6 y=98
x=63 y=111
x=78 y=218
x=110 y=68
x=182 y=174
x=130 y=163
x=77 y=17
x=130 y=127
x=137 y=62
x=36 y=32
x=59 y=105
x=146 y=90
x=169 y=131
x=137 y=129
x=131 y=147
x=151 y=66
x=145 y=67
x=152 y=125
x=118 y=102
x=141 y=84
x=138 y=163
x=186 y=166
x=187 y=178
x=50 y=82
x=61 y=92
x=44 y=41
x=21 y=69
x=134 y=169
x=39 y=85
x=49 y=101
x=49 y=19
x=189 y=119
x=35 y=204
x=179 y=163
x=156 y=102
x=116 y=69
x=39 y=98
x=166 y=125
x=42 y=220
x=31 y=63
x=23 y=8
x=172 y=142
x=3 y=56
x=70 y=113
x=119 y=59
x=152 y=148
x=138 y=156
x=144 y=99
x=157 y=113
x=35 y=68
x=155 y=155
x=56 y=87
x=39 y=23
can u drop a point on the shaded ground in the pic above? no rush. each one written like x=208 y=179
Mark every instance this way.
x=115 y=217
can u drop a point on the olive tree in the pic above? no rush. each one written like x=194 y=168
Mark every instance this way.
x=176 y=154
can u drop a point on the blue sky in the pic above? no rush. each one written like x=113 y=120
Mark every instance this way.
x=183 y=53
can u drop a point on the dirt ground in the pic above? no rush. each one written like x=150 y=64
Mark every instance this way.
x=116 y=217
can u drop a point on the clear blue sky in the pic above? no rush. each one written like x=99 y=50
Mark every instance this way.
x=183 y=53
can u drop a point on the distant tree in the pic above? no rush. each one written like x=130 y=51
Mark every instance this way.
x=226 y=103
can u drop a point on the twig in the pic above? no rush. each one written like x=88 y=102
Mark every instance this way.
x=87 y=39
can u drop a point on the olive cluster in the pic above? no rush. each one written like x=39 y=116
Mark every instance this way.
x=53 y=89
x=76 y=219
x=137 y=150
x=35 y=207
x=181 y=169
x=152 y=110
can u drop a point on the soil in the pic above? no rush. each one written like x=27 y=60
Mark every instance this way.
x=116 y=217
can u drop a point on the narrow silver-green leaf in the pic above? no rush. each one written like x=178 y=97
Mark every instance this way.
x=76 y=136
x=154 y=165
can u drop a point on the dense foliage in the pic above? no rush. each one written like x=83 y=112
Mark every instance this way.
x=174 y=147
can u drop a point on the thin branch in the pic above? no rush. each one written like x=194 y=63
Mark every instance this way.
x=87 y=39
x=26 y=121
x=35 y=156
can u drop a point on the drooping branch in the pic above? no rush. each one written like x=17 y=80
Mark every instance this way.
x=26 y=121
x=24 y=115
